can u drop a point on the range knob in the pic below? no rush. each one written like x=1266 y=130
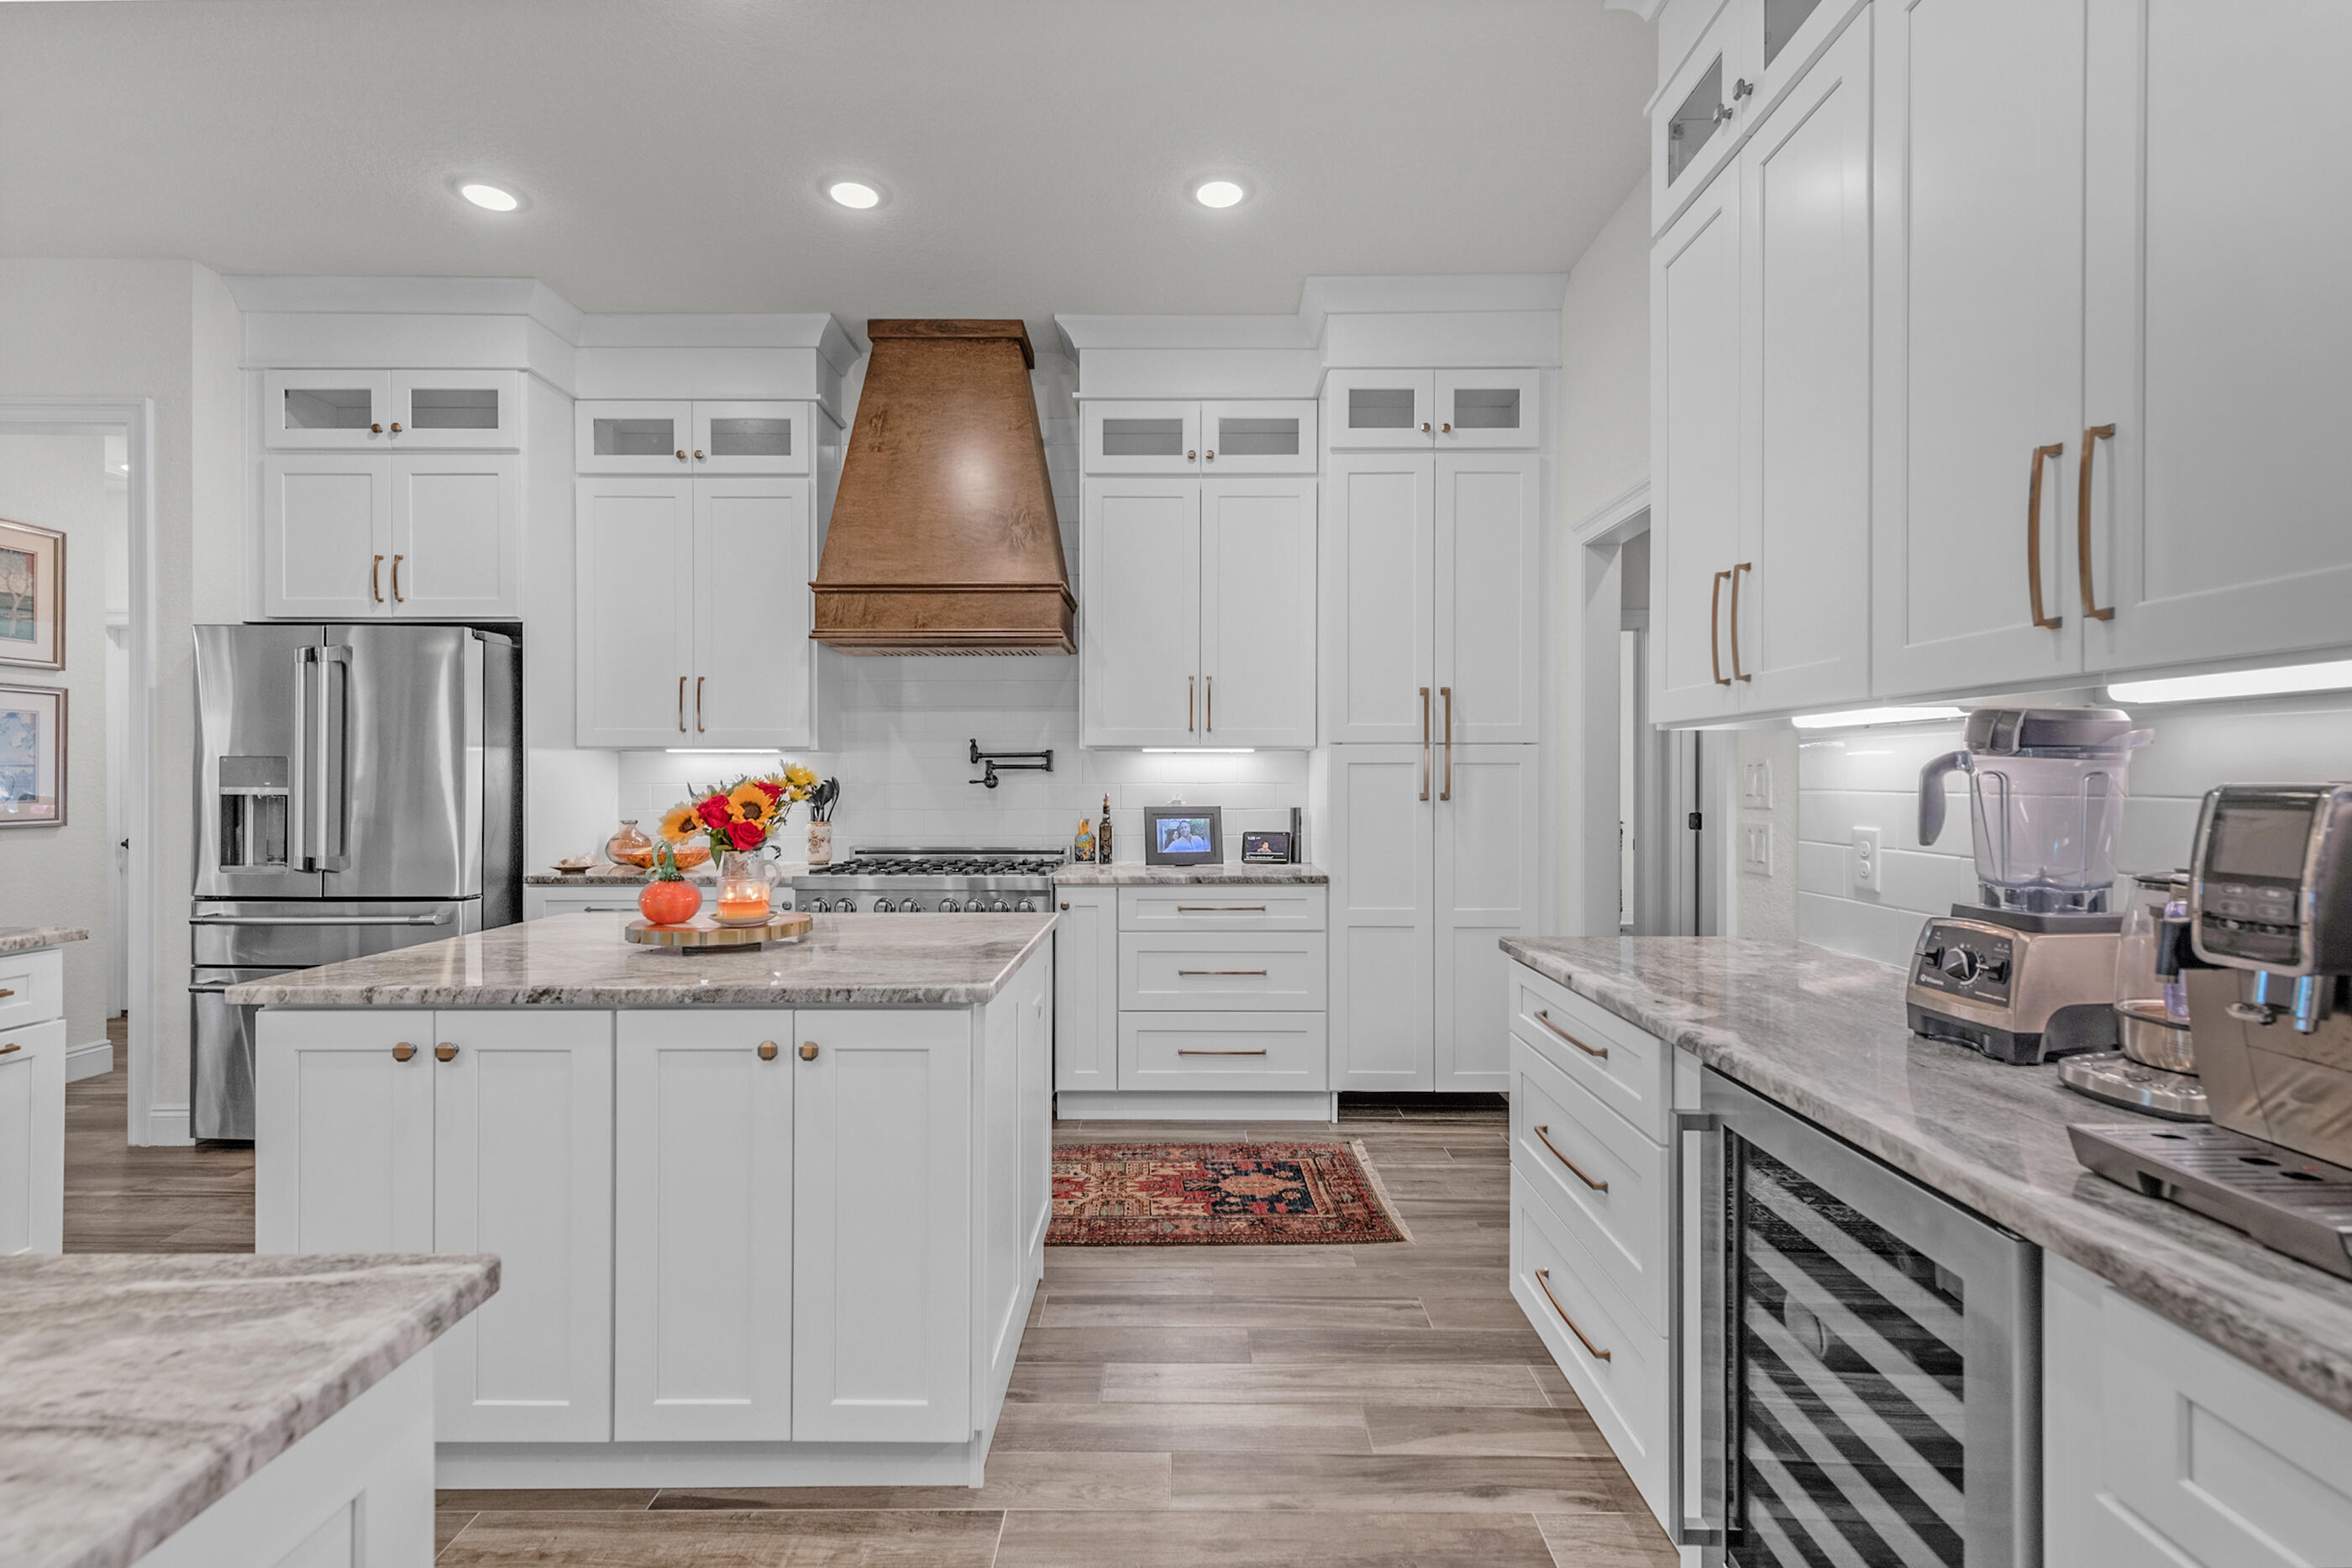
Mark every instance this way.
x=975 y=907
x=1960 y=964
x=1026 y=906
x=882 y=906
x=909 y=907
x=948 y=907
x=1000 y=907
x=819 y=906
x=847 y=906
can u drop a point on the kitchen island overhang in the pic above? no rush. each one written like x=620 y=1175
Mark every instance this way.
x=768 y=1218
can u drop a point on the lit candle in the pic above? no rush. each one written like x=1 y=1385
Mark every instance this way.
x=745 y=907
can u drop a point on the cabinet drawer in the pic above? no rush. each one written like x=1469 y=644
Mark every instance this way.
x=1242 y=971
x=1563 y=1143
x=1222 y=907
x=32 y=987
x=538 y=902
x=1616 y=1363
x=1223 y=1051
x=1626 y=1069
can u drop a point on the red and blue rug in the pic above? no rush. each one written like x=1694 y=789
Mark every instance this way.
x=1218 y=1195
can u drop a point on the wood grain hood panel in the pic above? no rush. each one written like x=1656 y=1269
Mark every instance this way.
x=943 y=538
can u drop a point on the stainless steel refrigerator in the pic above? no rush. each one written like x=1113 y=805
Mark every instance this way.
x=359 y=788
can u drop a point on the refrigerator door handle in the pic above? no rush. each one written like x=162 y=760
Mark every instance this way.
x=298 y=785
x=439 y=917
x=334 y=759
x=1712 y=1525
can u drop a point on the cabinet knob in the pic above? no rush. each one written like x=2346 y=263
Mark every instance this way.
x=1209 y=455
x=1190 y=453
x=1741 y=89
x=1065 y=903
x=445 y=1052
x=681 y=454
x=1424 y=427
x=698 y=454
x=808 y=1050
x=375 y=430
x=395 y=427
x=1722 y=113
x=767 y=1051
x=1445 y=429
x=402 y=1051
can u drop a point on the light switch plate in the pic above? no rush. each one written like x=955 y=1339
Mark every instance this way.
x=1865 y=860
x=1756 y=849
x=1756 y=785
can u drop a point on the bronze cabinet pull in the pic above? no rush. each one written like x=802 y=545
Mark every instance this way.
x=1736 y=672
x=1191 y=689
x=2091 y=438
x=1259 y=1051
x=402 y=1051
x=6 y=992
x=1065 y=903
x=767 y=1051
x=2033 y=537
x=698 y=454
x=376 y=581
x=808 y=1050
x=697 y=703
x=1424 y=427
x=395 y=427
x=1446 y=428
x=1209 y=455
x=681 y=705
x=1220 y=971
x=1180 y=909
x=1543 y=1283
x=375 y=430
x=1714 y=620
x=397 y=597
x=681 y=454
x=10 y=1049
x=1208 y=701
x=445 y=1052
x=1598 y=1052
x=1446 y=791
x=1574 y=1169
x=1424 y=743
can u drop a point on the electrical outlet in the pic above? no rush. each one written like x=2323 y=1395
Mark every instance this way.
x=1865 y=860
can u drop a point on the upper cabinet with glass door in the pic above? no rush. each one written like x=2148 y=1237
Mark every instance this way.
x=680 y=438
x=477 y=411
x=1377 y=409
x=1258 y=435
x=1742 y=65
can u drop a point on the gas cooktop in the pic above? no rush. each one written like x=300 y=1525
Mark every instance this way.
x=944 y=880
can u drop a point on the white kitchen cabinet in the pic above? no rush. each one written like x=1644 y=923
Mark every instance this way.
x=690 y=439
x=753 y=662
x=1486 y=888
x=2216 y=338
x=358 y=537
x=344 y=1105
x=1243 y=435
x=1259 y=436
x=882 y=1254
x=1257 y=571
x=1141 y=437
x=1086 y=989
x=542 y=900
x=634 y=545
x=480 y=410
x=522 y=1166
x=1487 y=632
x=337 y=408
x=750 y=437
x=1695 y=120
x=326 y=532
x=32 y=1135
x=385 y=409
x=1372 y=410
x=702 y=1225
x=1487 y=408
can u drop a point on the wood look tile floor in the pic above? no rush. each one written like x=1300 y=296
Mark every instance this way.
x=1376 y=1407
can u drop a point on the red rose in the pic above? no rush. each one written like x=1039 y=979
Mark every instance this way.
x=744 y=835
x=713 y=812
x=770 y=787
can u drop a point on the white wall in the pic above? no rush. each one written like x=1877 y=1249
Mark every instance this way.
x=1604 y=373
x=1871 y=778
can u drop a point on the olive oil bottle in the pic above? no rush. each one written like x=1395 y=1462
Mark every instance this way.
x=1102 y=836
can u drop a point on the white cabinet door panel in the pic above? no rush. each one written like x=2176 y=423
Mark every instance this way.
x=1383 y=918
x=32 y=1138
x=1489 y=577
x=1487 y=889
x=1139 y=586
x=1368 y=410
x=751 y=438
x=652 y=439
x=456 y=536
x=1258 y=437
x=1216 y=1052
x=522 y=1166
x=1137 y=437
x=350 y=409
x=326 y=535
x=1379 y=601
x=1250 y=971
x=702 y=1225
x=1258 y=613
x=1086 y=987
x=342 y=1132
x=1489 y=408
x=636 y=585
x=450 y=409
x=753 y=613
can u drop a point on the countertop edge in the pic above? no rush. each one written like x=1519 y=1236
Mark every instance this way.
x=2145 y=1265
x=33 y=938
x=1228 y=873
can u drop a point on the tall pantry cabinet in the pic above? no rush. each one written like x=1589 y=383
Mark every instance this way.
x=1432 y=707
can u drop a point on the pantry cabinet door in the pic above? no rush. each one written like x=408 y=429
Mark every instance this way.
x=1694 y=456
x=1977 y=172
x=634 y=653
x=342 y=1130
x=1379 y=614
x=522 y=1166
x=1803 y=630
x=1383 y=918
x=1487 y=876
x=753 y=662
x=1085 y=988
x=1139 y=600
x=1258 y=613
x=882 y=1227
x=1488 y=631
x=326 y=535
x=2219 y=332
x=702 y=1225
x=456 y=536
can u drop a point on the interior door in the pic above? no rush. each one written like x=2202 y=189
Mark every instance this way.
x=1489 y=637
x=401 y=808
x=1486 y=888
x=2218 y=337
x=1258 y=613
x=1139 y=595
x=1979 y=375
x=456 y=536
x=326 y=532
x=753 y=612
x=637 y=569
x=1383 y=918
x=1379 y=619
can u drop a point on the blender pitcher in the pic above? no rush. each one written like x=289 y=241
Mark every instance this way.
x=2046 y=787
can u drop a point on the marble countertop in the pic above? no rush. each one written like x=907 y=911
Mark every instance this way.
x=583 y=960
x=1823 y=1034
x=25 y=938
x=139 y=1390
x=1134 y=874
x=604 y=874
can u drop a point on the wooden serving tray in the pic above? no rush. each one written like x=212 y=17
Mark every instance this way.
x=704 y=932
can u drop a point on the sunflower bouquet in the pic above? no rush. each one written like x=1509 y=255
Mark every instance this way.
x=742 y=815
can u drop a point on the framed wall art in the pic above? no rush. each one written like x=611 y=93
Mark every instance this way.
x=32 y=757
x=32 y=596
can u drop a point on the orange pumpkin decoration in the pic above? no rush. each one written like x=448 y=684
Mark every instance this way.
x=669 y=902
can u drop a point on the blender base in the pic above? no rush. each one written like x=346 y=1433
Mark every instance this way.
x=2019 y=988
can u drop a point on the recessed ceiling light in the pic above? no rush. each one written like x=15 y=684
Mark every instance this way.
x=489 y=196
x=854 y=194
x=1217 y=193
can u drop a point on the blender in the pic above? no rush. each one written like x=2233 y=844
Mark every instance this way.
x=2028 y=972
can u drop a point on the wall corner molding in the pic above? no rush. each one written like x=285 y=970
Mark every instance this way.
x=1597 y=525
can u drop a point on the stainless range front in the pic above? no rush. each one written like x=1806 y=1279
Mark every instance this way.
x=931 y=881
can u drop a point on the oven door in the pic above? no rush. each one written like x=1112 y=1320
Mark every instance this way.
x=1866 y=1379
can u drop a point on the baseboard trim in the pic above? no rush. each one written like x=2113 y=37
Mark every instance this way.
x=498 y=1465
x=167 y=1126
x=1163 y=1105
x=89 y=1059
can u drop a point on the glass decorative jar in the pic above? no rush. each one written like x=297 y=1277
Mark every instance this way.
x=630 y=846
x=745 y=889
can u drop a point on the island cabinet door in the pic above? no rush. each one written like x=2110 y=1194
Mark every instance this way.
x=882 y=1242
x=702 y=1225
x=1085 y=988
x=342 y=1134
x=522 y=1166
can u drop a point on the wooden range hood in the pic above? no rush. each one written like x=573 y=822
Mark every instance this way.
x=943 y=538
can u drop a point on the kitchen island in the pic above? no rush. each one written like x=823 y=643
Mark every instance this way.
x=768 y=1216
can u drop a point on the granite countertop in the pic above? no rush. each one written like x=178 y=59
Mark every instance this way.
x=1134 y=874
x=583 y=960
x=1823 y=1034
x=604 y=874
x=25 y=938
x=139 y=1390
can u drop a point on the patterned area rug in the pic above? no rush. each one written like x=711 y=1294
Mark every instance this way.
x=1218 y=1195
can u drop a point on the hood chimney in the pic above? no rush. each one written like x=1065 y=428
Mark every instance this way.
x=943 y=538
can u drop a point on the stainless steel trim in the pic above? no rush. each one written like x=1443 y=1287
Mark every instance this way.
x=298 y=804
x=440 y=918
x=1708 y=1530
x=334 y=733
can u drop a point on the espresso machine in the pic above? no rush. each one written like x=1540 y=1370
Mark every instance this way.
x=2269 y=1005
x=2028 y=972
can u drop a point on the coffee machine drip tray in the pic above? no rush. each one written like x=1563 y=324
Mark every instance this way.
x=2115 y=1079
x=2301 y=1205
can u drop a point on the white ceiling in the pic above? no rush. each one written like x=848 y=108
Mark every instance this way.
x=1036 y=154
